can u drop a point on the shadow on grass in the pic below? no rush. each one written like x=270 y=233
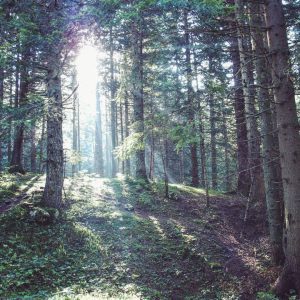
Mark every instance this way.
x=102 y=249
x=11 y=191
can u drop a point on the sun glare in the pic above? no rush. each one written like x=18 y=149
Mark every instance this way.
x=86 y=64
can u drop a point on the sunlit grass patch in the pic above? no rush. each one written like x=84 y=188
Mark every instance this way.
x=69 y=294
x=176 y=187
x=10 y=184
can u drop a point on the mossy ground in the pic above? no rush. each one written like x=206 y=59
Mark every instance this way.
x=119 y=239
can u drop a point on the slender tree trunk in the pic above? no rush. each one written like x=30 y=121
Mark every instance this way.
x=203 y=159
x=181 y=166
x=55 y=158
x=98 y=159
x=16 y=163
x=272 y=178
x=163 y=152
x=289 y=144
x=33 y=147
x=107 y=142
x=243 y=180
x=78 y=134
x=152 y=153
x=138 y=98
x=252 y=132
x=213 y=133
x=41 y=156
x=74 y=123
x=113 y=108
x=9 y=139
x=1 y=105
x=122 y=133
x=226 y=150
x=190 y=100
x=127 y=162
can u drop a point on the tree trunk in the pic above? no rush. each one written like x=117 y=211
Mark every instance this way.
x=1 y=105
x=213 y=133
x=254 y=164
x=54 y=177
x=226 y=150
x=98 y=159
x=122 y=133
x=127 y=162
x=138 y=98
x=74 y=124
x=78 y=135
x=42 y=140
x=16 y=163
x=113 y=108
x=33 y=147
x=9 y=139
x=289 y=144
x=272 y=178
x=243 y=180
x=152 y=154
x=190 y=100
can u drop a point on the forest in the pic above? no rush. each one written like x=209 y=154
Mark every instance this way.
x=149 y=149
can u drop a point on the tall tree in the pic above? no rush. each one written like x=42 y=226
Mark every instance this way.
x=289 y=143
x=243 y=174
x=138 y=94
x=1 y=107
x=113 y=106
x=254 y=159
x=74 y=123
x=271 y=166
x=55 y=158
x=190 y=99
x=98 y=153
x=16 y=163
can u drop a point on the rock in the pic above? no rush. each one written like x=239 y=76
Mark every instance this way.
x=40 y=216
x=44 y=216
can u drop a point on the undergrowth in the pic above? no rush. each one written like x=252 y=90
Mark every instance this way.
x=117 y=239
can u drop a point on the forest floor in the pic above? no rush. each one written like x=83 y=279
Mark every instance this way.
x=121 y=239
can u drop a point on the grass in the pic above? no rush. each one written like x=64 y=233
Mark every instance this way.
x=11 y=184
x=100 y=249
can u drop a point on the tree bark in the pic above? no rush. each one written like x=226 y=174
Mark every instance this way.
x=113 y=108
x=16 y=163
x=289 y=144
x=272 y=178
x=33 y=147
x=54 y=176
x=138 y=98
x=41 y=149
x=190 y=100
x=74 y=124
x=9 y=138
x=243 y=179
x=1 y=105
x=254 y=160
x=126 y=104
x=122 y=133
x=213 y=132
x=98 y=158
x=226 y=149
